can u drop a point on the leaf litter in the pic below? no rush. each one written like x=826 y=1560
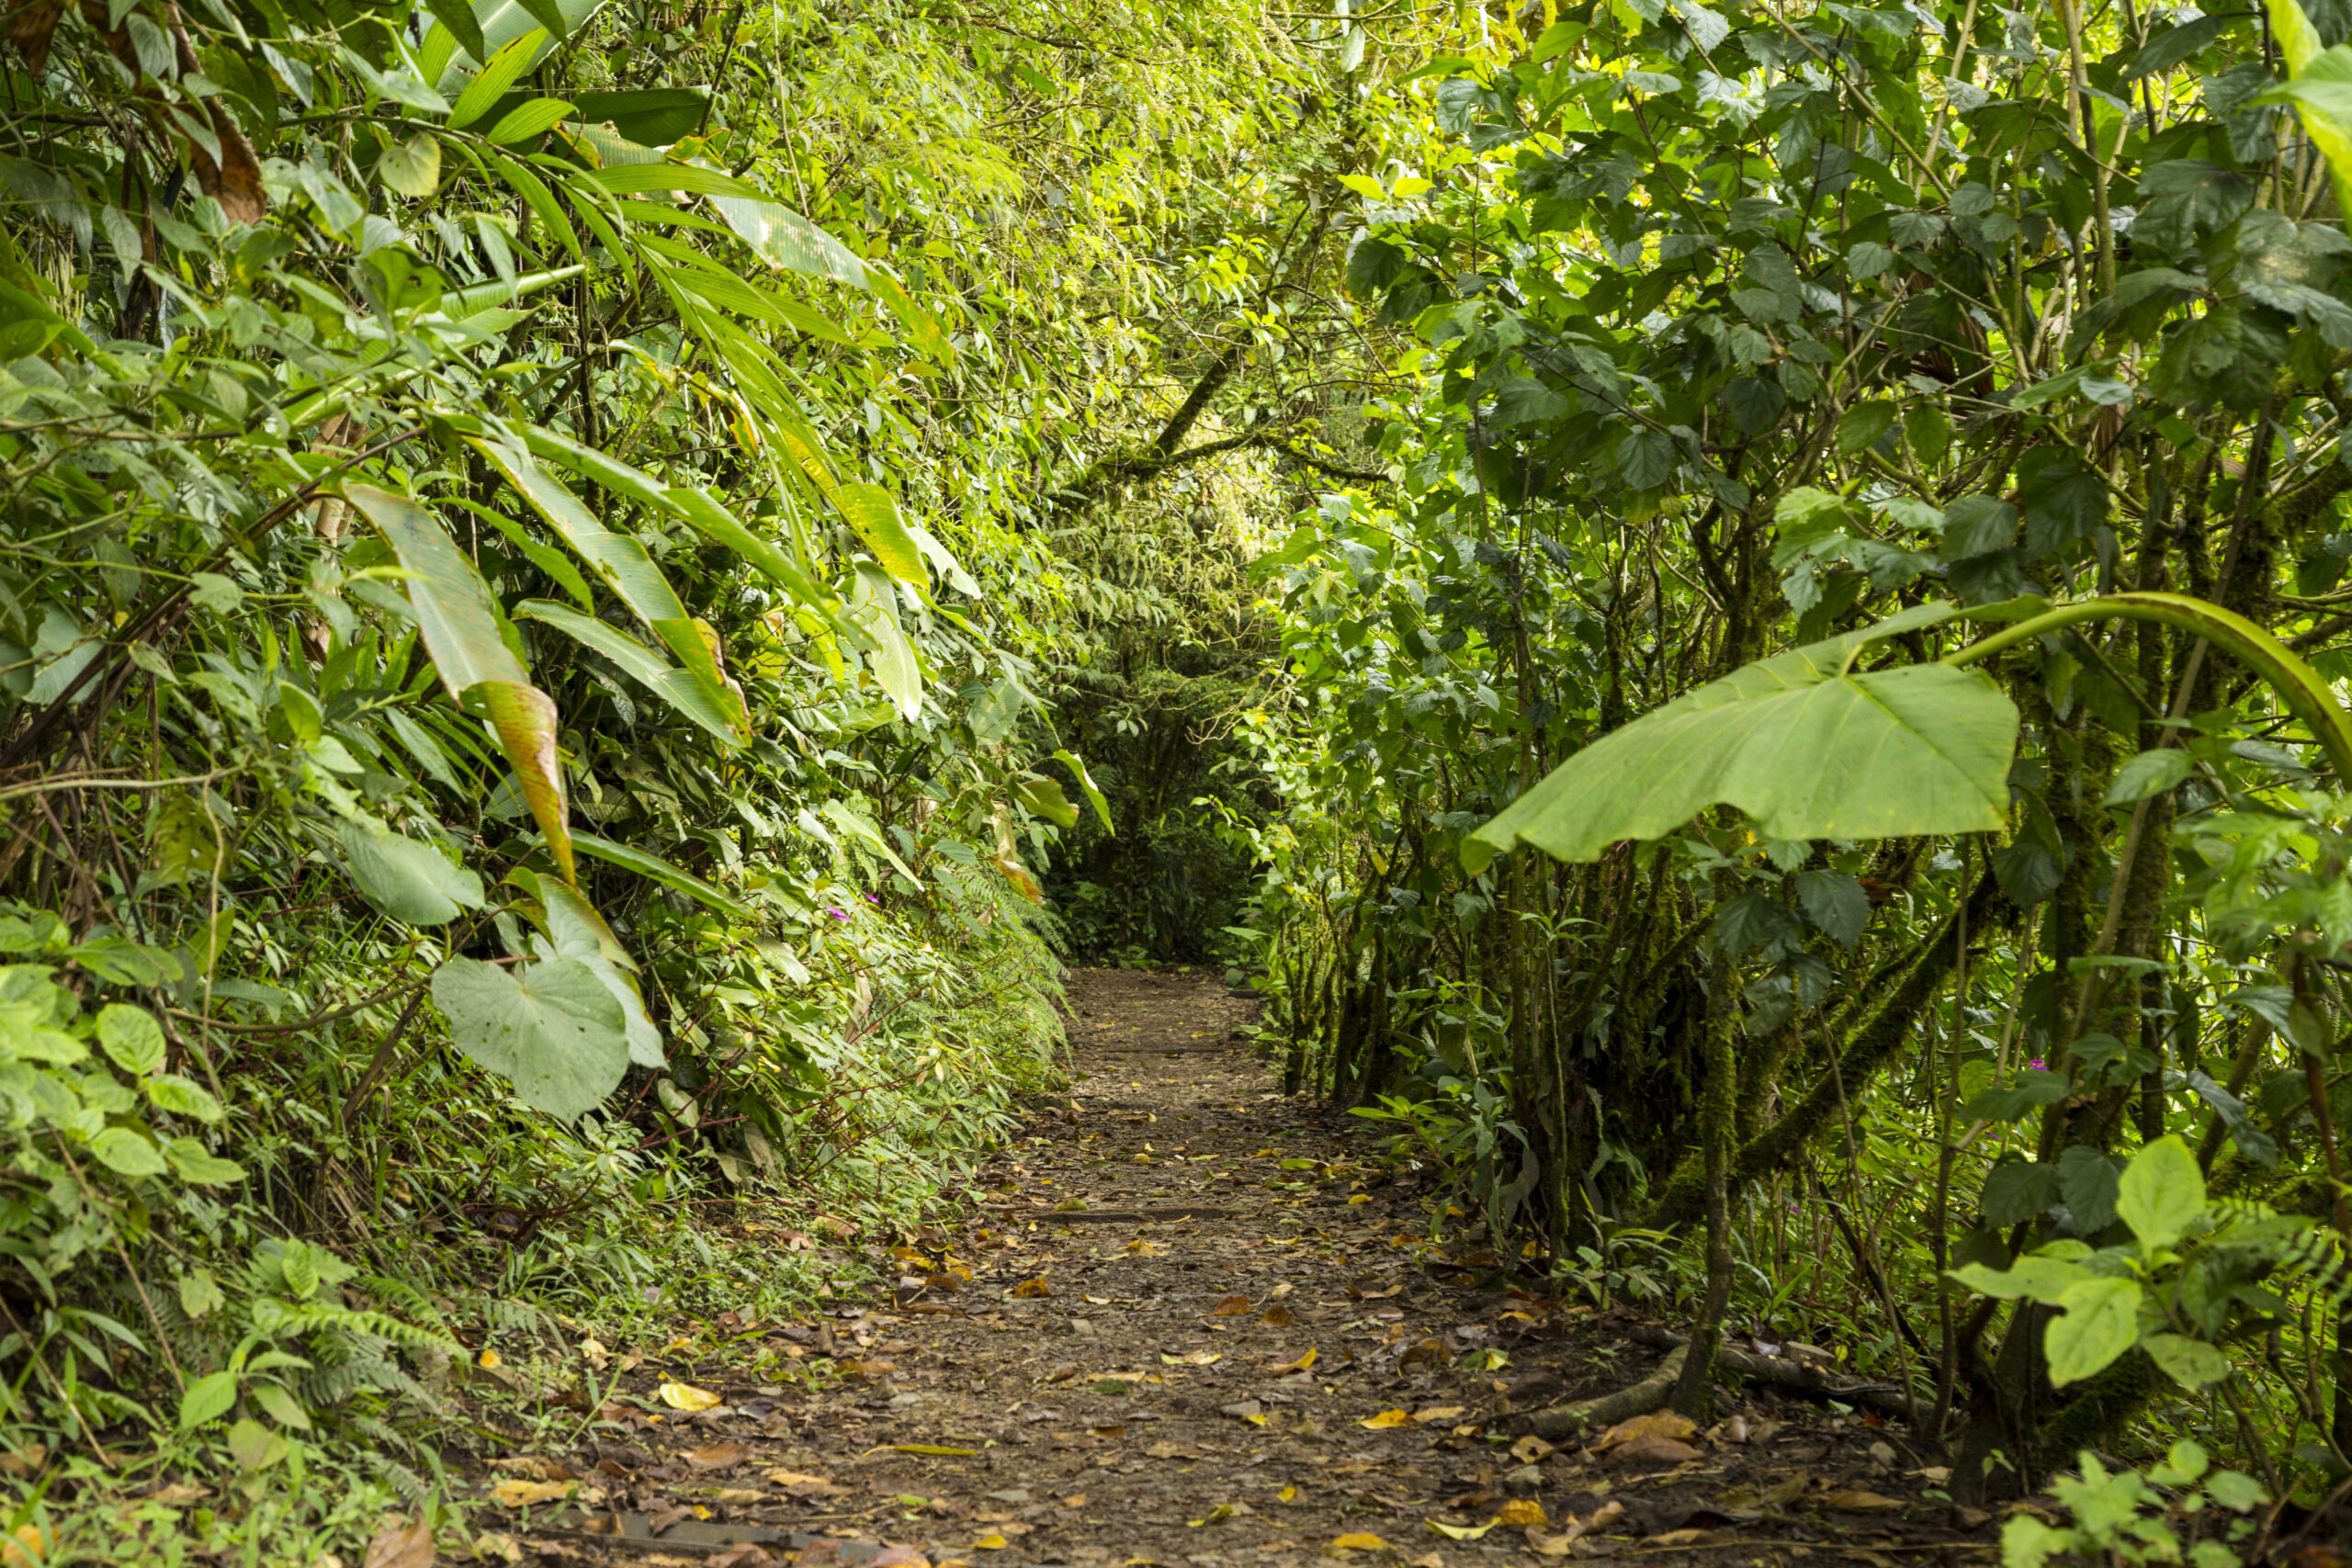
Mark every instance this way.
x=1305 y=1373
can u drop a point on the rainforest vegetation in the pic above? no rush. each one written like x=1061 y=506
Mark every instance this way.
x=1737 y=616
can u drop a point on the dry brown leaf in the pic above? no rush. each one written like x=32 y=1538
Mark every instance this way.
x=657 y=1523
x=1521 y=1513
x=26 y=1547
x=1292 y=1362
x=1075 y=1500
x=1279 y=1316
x=537 y=1467
x=719 y=1456
x=898 y=1557
x=1437 y=1414
x=1659 y=1424
x=526 y=1494
x=736 y=1496
x=1030 y=1290
x=1232 y=1306
x=1685 y=1537
x=744 y=1555
x=1172 y=1450
x=1653 y=1450
x=30 y=27
x=401 y=1546
x=20 y=1465
x=1531 y=1448
x=1549 y=1545
x=1387 y=1420
x=1856 y=1501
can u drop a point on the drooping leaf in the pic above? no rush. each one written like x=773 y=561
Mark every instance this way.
x=551 y=1028
x=1801 y=744
x=639 y=663
x=873 y=514
x=646 y=863
x=406 y=880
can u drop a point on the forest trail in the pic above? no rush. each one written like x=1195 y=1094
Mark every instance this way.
x=1181 y=1369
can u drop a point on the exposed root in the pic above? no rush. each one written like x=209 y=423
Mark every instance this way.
x=1638 y=1399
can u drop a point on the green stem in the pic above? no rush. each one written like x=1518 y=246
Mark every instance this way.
x=2307 y=696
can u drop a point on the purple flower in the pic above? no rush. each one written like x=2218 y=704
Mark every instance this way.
x=837 y=914
x=2035 y=1064
x=873 y=900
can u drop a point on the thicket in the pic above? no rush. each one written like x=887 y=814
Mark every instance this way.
x=1822 y=761
x=555 y=558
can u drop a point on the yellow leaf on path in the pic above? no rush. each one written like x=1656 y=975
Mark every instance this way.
x=1437 y=1414
x=932 y=1449
x=1550 y=1545
x=1030 y=1290
x=1461 y=1532
x=1521 y=1512
x=1142 y=1248
x=686 y=1396
x=795 y=1478
x=1232 y=1306
x=1075 y=1500
x=990 y=1544
x=1298 y=1363
x=1661 y=1424
x=488 y=1360
x=1530 y=1449
x=523 y=1494
x=1387 y=1421
x=1361 y=1541
x=1287 y=1494
x=1191 y=1359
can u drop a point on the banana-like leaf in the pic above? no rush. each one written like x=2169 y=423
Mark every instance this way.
x=874 y=614
x=501 y=22
x=525 y=120
x=459 y=625
x=1044 y=798
x=630 y=571
x=873 y=512
x=1800 y=743
x=652 y=117
x=639 y=663
x=498 y=73
x=408 y=880
x=1086 y=782
x=652 y=865
x=579 y=934
x=781 y=237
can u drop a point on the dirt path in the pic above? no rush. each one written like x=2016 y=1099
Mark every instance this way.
x=1187 y=1297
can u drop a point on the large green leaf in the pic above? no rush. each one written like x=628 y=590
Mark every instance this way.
x=497 y=74
x=2101 y=1321
x=1799 y=742
x=459 y=625
x=579 y=934
x=873 y=512
x=639 y=663
x=2162 y=1193
x=406 y=880
x=552 y=1027
x=646 y=863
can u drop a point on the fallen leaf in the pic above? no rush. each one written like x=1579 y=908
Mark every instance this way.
x=26 y=1547
x=1191 y=1359
x=1934 y=1474
x=1856 y=1501
x=737 y=1497
x=1685 y=1537
x=1298 y=1363
x=1521 y=1513
x=593 y=1352
x=1030 y=1290
x=1659 y=1424
x=401 y=1546
x=179 y=1493
x=1461 y=1532
x=932 y=1449
x=1075 y=1500
x=1361 y=1541
x=990 y=1544
x=1387 y=1420
x=1172 y=1451
x=1653 y=1450
x=1142 y=1248
x=898 y=1557
x=1232 y=1306
x=685 y=1397
x=524 y=1494
x=537 y=1467
x=719 y=1456
x=1279 y=1316
x=1287 y=1494
x=1438 y=1414
x=1549 y=1545
x=488 y=1361
x=492 y=1544
x=1530 y=1449
x=796 y=1478
x=1246 y=1409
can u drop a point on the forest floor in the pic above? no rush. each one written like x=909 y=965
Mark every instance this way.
x=1203 y=1325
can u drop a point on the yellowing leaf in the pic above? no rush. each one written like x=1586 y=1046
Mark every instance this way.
x=1298 y=1363
x=1387 y=1420
x=1361 y=1541
x=488 y=1360
x=991 y=1542
x=932 y=1449
x=1521 y=1512
x=1029 y=1289
x=519 y=1493
x=686 y=1397
x=1438 y=1414
x=1232 y=1306
x=1463 y=1532
x=1191 y=1359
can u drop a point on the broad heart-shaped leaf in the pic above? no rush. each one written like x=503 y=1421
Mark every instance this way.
x=579 y=933
x=2100 y=1321
x=552 y=1028
x=2162 y=1192
x=407 y=880
x=1801 y=746
x=131 y=1037
x=2191 y=1363
x=459 y=625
